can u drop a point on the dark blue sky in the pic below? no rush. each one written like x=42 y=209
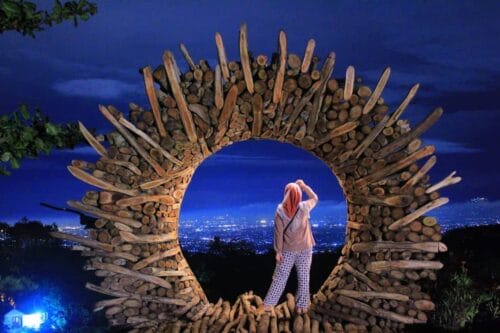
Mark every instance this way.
x=450 y=48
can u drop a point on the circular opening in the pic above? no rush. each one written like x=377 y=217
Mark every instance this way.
x=226 y=223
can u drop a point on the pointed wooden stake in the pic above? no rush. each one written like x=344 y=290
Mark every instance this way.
x=226 y=112
x=245 y=60
x=395 y=167
x=153 y=100
x=306 y=63
x=378 y=91
x=148 y=139
x=103 y=214
x=449 y=180
x=280 y=75
x=349 y=83
x=219 y=94
x=326 y=73
x=186 y=116
x=399 y=111
x=140 y=150
x=187 y=56
x=94 y=181
x=99 y=148
x=222 y=56
x=403 y=140
x=417 y=213
x=370 y=137
x=420 y=173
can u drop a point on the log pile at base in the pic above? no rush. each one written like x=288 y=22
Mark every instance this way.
x=147 y=163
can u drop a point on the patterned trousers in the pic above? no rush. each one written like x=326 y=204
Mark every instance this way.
x=302 y=261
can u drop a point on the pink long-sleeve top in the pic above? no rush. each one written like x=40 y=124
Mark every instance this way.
x=299 y=235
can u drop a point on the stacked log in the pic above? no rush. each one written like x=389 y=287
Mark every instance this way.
x=148 y=162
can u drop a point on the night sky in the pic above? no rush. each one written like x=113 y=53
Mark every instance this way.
x=450 y=48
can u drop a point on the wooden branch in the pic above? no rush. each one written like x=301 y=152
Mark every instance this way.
x=257 y=108
x=360 y=276
x=187 y=56
x=107 y=292
x=337 y=314
x=155 y=257
x=432 y=247
x=403 y=140
x=169 y=177
x=100 y=213
x=349 y=83
x=419 y=174
x=219 y=94
x=354 y=225
x=99 y=148
x=399 y=111
x=153 y=100
x=245 y=60
x=123 y=255
x=129 y=165
x=162 y=272
x=326 y=73
x=148 y=139
x=84 y=241
x=395 y=167
x=125 y=271
x=352 y=303
x=279 y=115
x=385 y=265
x=201 y=111
x=300 y=105
x=140 y=199
x=222 y=56
x=370 y=137
x=306 y=62
x=108 y=302
x=204 y=147
x=195 y=300
x=372 y=294
x=144 y=239
x=94 y=181
x=417 y=213
x=140 y=150
x=280 y=74
x=342 y=129
x=186 y=117
x=225 y=115
x=448 y=180
x=399 y=200
x=378 y=91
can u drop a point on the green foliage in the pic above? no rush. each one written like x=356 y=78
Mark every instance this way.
x=459 y=303
x=23 y=134
x=15 y=284
x=24 y=17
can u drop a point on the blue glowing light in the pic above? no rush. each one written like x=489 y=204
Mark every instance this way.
x=34 y=320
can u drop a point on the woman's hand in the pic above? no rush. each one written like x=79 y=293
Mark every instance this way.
x=300 y=182
x=279 y=257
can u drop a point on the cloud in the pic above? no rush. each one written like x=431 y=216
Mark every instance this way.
x=450 y=147
x=223 y=159
x=95 y=88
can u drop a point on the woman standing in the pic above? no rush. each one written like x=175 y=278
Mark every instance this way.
x=293 y=243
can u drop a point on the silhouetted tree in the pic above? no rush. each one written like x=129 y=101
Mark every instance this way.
x=24 y=17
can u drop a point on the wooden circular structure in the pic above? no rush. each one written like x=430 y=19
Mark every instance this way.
x=390 y=243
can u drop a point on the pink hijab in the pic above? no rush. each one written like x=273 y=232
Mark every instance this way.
x=293 y=196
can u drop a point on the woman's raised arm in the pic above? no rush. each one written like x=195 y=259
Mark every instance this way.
x=313 y=197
